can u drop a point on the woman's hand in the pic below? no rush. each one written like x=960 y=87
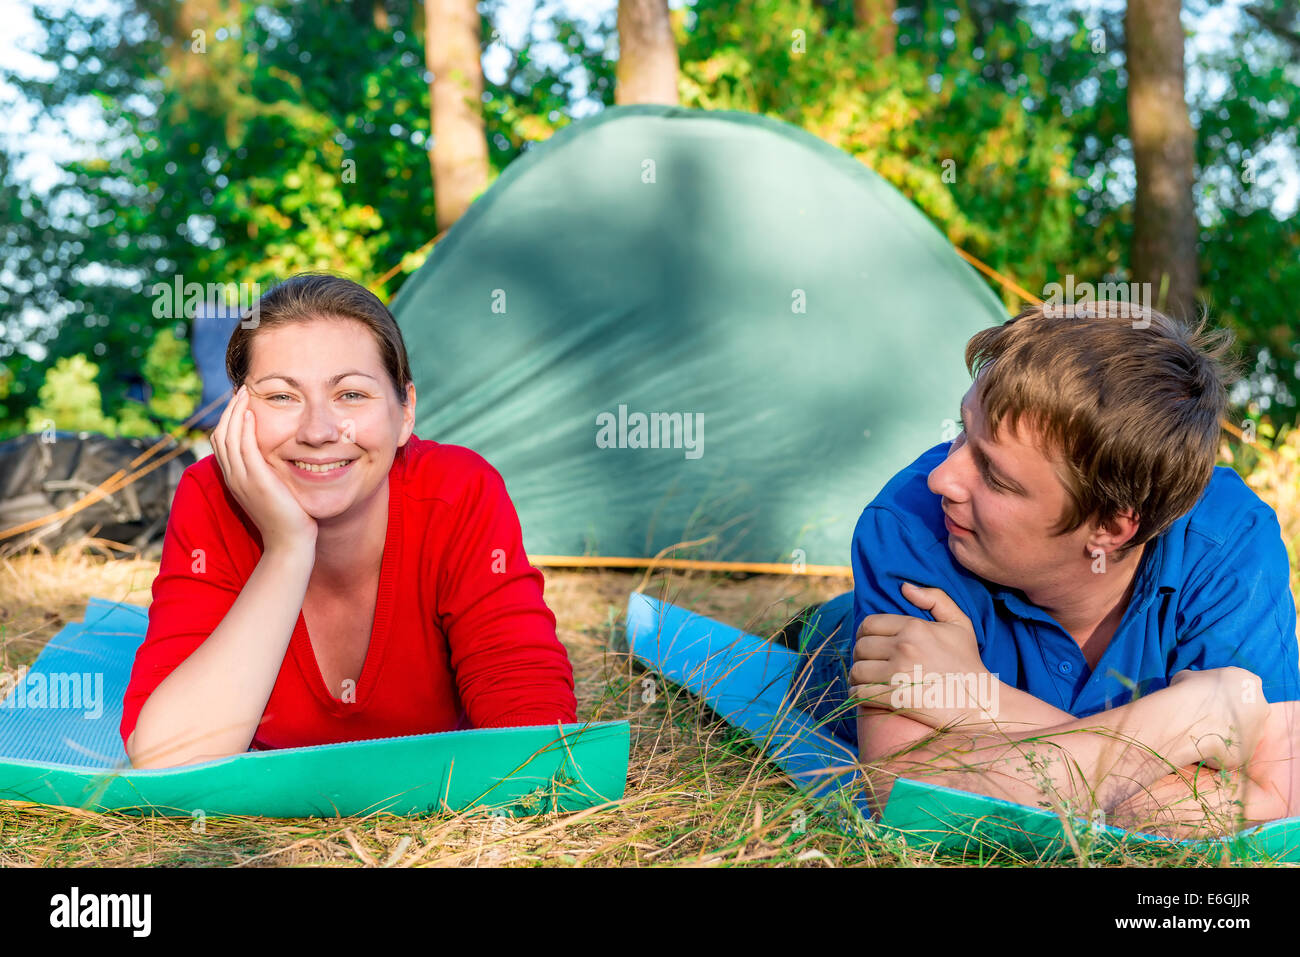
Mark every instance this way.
x=263 y=495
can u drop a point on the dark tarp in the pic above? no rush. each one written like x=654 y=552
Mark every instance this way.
x=43 y=472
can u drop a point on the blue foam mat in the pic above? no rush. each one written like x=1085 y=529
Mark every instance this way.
x=102 y=647
x=65 y=749
x=746 y=680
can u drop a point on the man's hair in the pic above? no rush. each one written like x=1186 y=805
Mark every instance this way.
x=308 y=297
x=1128 y=409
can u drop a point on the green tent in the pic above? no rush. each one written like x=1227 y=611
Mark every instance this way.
x=666 y=325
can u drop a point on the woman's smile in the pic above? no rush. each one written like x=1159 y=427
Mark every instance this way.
x=329 y=470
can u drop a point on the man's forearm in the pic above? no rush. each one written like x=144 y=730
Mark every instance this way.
x=1099 y=761
x=980 y=702
x=1195 y=800
x=1017 y=713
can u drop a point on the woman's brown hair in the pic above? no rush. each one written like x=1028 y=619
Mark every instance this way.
x=311 y=296
x=1127 y=406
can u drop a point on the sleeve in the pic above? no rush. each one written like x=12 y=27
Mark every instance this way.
x=1242 y=613
x=511 y=669
x=887 y=553
x=195 y=588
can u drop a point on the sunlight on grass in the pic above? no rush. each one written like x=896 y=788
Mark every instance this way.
x=699 y=792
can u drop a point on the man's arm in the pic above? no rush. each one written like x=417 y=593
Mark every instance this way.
x=1180 y=804
x=1218 y=628
x=1104 y=760
x=891 y=651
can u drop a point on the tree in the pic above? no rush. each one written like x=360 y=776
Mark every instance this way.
x=996 y=177
x=69 y=399
x=305 y=141
x=174 y=381
x=302 y=143
x=877 y=17
x=459 y=158
x=1164 y=152
x=647 y=53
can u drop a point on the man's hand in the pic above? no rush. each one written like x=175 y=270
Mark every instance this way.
x=902 y=664
x=1226 y=713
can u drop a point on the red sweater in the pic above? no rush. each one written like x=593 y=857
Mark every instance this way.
x=462 y=636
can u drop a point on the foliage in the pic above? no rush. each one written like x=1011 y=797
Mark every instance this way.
x=1271 y=467
x=69 y=399
x=1246 y=108
x=959 y=146
x=173 y=379
x=285 y=136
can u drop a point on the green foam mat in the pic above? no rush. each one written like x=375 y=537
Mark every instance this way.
x=929 y=815
x=57 y=751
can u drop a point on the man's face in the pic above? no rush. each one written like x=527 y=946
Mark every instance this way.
x=1009 y=499
x=319 y=416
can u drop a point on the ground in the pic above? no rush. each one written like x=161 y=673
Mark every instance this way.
x=698 y=793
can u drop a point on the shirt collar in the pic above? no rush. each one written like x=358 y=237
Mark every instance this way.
x=1162 y=566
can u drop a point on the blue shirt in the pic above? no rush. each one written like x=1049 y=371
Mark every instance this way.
x=1210 y=592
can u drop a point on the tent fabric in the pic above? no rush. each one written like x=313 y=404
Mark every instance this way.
x=754 y=685
x=60 y=745
x=796 y=325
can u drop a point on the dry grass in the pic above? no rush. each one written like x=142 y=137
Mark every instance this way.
x=1275 y=478
x=698 y=792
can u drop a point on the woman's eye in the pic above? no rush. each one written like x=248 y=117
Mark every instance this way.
x=281 y=395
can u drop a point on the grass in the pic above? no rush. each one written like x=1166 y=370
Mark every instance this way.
x=698 y=792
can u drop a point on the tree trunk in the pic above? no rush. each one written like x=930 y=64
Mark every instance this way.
x=878 y=15
x=453 y=54
x=647 y=54
x=371 y=12
x=1164 y=151
x=193 y=27
x=198 y=63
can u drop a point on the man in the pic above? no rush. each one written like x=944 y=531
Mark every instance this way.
x=1070 y=604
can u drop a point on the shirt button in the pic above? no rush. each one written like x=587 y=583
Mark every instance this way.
x=1065 y=667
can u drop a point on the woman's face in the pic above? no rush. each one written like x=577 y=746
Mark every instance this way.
x=319 y=393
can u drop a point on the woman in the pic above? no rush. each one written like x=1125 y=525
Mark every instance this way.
x=326 y=574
